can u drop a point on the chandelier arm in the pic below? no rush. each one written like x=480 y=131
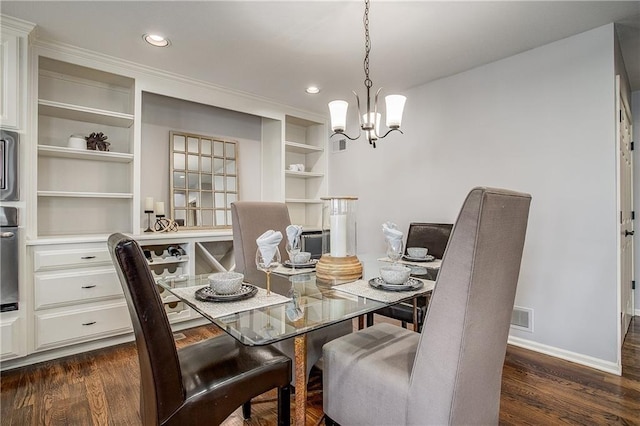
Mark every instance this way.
x=346 y=135
x=391 y=130
x=375 y=114
x=358 y=107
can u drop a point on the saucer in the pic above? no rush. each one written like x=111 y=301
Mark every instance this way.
x=410 y=285
x=427 y=258
x=310 y=264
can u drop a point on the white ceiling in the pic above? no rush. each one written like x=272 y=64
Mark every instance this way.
x=276 y=49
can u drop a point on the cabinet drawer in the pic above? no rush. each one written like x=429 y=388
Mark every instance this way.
x=66 y=327
x=60 y=288
x=10 y=345
x=49 y=259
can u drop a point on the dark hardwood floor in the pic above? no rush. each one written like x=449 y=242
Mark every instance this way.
x=101 y=388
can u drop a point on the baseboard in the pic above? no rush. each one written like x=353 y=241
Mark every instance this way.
x=588 y=361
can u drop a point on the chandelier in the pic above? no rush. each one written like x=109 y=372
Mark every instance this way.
x=370 y=121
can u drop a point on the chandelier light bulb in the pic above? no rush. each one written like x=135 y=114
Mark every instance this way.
x=338 y=111
x=395 y=108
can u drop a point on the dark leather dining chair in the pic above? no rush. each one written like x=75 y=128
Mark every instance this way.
x=450 y=374
x=200 y=383
x=249 y=220
x=434 y=237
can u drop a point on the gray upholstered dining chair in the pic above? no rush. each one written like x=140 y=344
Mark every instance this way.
x=451 y=372
x=203 y=382
x=249 y=220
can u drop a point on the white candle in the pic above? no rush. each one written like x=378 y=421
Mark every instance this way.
x=160 y=208
x=148 y=204
x=338 y=235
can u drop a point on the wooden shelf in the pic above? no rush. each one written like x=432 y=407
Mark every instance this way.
x=302 y=201
x=303 y=175
x=64 y=152
x=70 y=194
x=302 y=148
x=86 y=114
x=167 y=261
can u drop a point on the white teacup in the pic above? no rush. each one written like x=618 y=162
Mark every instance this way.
x=417 y=252
x=293 y=167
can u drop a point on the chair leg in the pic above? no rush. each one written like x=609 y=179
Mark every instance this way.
x=404 y=324
x=246 y=410
x=284 y=406
x=369 y=319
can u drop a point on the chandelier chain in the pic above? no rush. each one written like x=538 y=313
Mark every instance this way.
x=367 y=45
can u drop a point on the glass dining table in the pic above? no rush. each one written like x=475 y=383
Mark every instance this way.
x=308 y=305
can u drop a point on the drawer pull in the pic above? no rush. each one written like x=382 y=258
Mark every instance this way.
x=88 y=286
x=87 y=257
x=88 y=323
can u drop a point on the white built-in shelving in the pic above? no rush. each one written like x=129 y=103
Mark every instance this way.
x=83 y=192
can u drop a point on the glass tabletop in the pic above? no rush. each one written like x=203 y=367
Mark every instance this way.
x=307 y=306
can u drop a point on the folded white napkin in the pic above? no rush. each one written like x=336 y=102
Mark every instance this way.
x=268 y=244
x=293 y=235
x=391 y=232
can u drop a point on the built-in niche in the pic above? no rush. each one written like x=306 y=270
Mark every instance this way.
x=162 y=115
x=204 y=180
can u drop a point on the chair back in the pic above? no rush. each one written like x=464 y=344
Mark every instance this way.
x=250 y=219
x=433 y=236
x=161 y=388
x=457 y=373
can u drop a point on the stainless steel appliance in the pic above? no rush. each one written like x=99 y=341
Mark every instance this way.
x=8 y=166
x=9 y=249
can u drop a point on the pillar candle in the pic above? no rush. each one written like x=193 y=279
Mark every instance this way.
x=160 y=208
x=338 y=235
x=148 y=204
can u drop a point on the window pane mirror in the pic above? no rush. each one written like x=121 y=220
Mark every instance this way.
x=204 y=180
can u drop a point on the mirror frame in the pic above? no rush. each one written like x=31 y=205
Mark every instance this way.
x=204 y=200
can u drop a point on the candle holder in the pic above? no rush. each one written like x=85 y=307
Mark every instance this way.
x=339 y=263
x=149 y=213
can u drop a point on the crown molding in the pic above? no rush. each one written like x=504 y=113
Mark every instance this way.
x=15 y=24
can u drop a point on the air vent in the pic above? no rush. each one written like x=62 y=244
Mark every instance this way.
x=522 y=319
x=339 y=145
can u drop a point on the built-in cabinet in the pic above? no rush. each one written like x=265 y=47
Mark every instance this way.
x=305 y=169
x=82 y=191
x=75 y=197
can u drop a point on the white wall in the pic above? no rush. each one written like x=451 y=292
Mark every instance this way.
x=541 y=122
x=635 y=109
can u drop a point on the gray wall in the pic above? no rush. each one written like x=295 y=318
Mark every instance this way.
x=541 y=122
x=162 y=114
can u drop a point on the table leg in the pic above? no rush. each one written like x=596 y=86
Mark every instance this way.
x=415 y=314
x=300 y=354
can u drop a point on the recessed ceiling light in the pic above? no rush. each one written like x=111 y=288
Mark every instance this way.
x=312 y=90
x=156 y=40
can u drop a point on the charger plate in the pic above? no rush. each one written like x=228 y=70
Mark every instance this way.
x=428 y=258
x=412 y=284
x=309 y=264
x=206 y=294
